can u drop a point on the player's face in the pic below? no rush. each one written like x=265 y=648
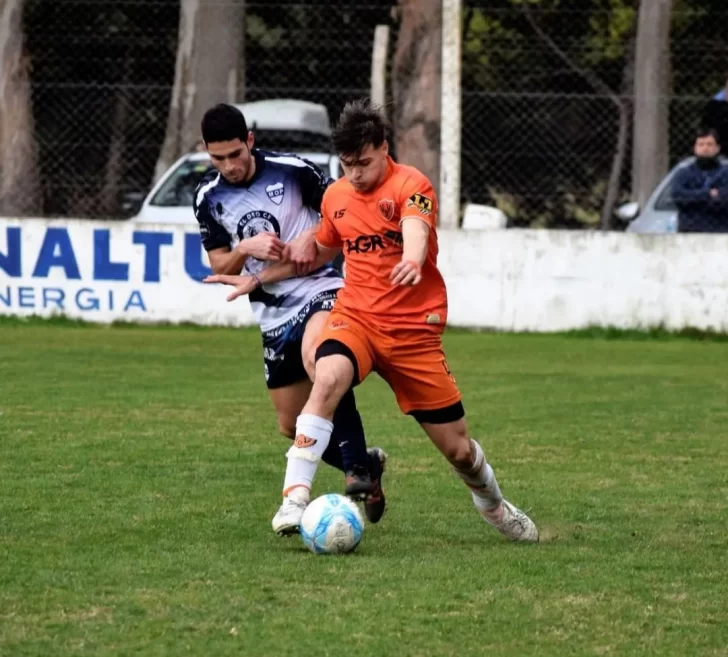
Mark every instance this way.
x=233 y=159
x=366 y=170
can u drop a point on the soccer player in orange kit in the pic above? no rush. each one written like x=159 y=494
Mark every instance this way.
x=389 y=317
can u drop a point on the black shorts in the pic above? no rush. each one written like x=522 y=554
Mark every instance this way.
x=282 y=345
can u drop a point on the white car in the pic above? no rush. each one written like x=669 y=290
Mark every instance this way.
x=279 y=125
x=660 y=212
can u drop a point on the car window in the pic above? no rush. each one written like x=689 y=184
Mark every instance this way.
x=665 y=201
x=290 y=141
x=179 y=188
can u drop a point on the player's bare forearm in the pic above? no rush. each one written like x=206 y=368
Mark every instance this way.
x=415 y=240
x=226 y=261
x=283 y=270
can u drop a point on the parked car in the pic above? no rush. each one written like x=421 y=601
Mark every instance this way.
x=285 y=125
x=660 y=212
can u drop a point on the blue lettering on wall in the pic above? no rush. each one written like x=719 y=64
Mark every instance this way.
x=194 y=266
x=56 y=251
x=85 y=299
x=135 y=301
x=26 y=297
x=10 y=262
x=104 y=269
x=53 y=295
x=7 y=297
x=153 y=242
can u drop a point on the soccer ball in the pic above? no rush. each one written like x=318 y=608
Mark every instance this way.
x=331 y=524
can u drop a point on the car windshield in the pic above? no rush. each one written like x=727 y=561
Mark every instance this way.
x=179 y=188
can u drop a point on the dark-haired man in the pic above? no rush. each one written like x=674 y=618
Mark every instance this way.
x=700 y=190
x=251 y=208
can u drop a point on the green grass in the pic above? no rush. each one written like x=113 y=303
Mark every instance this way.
x=140 y=468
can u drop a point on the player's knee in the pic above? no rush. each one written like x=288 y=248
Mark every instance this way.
x=330 y=384
x=459 y=450
x=460 y=455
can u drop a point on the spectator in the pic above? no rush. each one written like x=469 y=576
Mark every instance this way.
x=700 y=189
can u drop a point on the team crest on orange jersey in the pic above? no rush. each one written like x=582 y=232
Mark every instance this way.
x=386 y=208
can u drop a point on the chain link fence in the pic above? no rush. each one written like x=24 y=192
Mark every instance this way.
x=542 y=92
x=102 y=75
x=539 y=139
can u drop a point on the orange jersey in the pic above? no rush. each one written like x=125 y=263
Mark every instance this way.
x=367 y=228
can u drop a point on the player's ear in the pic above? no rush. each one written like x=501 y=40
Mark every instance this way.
x=385 y=147
x=251 y=139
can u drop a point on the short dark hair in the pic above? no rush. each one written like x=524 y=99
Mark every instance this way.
x=361 y=123
x=224 y=123
x=707 y=131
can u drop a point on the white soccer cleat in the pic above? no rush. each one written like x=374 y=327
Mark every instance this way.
x=515 y=524
x=288 y=519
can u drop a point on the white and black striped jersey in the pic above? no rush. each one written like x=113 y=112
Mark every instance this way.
x=284 y=197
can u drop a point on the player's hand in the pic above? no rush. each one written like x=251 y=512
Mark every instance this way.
x=264 y=246
x=714 y=194
x=243 y=284
x=407 y=272
x=302 y=252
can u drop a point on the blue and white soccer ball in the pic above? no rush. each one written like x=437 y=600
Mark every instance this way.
x=331 y=524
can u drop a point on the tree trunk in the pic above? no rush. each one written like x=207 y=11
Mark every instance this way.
x=209 y=70
x=19 y=180
x=416 y=74
x=115 y=162
x=650 y=153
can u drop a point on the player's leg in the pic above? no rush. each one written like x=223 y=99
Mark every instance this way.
x=288 y=402
x=364 y=467
x=334 y=375
x=468 y=461
x=288 y=382
x=348 y=431
x=425 y=388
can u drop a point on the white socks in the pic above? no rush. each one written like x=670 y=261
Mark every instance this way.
x=312 y=439
x=481 y=481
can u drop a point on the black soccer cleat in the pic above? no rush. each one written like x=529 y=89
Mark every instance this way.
x=359 y=484
x=375 y=503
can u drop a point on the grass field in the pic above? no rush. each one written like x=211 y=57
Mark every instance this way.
x=140 y=468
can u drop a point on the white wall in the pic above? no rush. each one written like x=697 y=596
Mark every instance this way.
x=507 y=280
x=555 y=280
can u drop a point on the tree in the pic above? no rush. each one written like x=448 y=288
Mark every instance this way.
x=19 y=182
x=620 y=149
x=416 y=86
x=652 y=86
x=209 y=70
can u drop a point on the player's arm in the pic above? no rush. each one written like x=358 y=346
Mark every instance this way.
x=280 y=271
x=264 y=246
x=415 y=242
x=216 y=241
x=313 y=183
x=418 y=219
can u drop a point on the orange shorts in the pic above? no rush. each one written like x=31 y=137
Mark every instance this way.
x=410 y=360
